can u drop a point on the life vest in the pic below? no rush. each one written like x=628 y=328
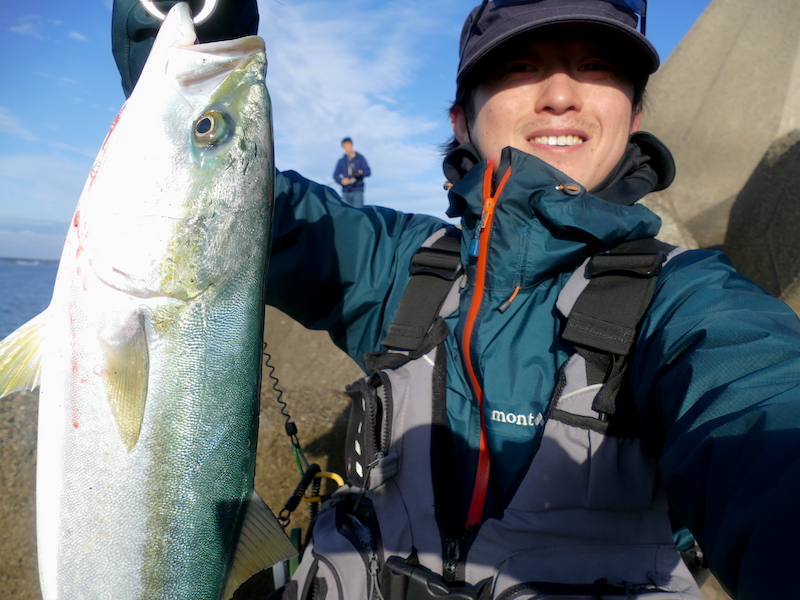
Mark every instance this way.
x=589 y=519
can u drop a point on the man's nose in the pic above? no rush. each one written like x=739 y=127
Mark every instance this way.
x=559 y=94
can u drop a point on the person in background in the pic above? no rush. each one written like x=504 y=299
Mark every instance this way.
x=496 y=452
x=350 y=172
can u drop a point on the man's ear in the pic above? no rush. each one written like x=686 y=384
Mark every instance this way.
x=637 y=118
x=458 y=121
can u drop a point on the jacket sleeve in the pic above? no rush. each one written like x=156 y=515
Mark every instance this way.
x=338 y=268
x=716 y=377
x=338 y=172
x=364 y=167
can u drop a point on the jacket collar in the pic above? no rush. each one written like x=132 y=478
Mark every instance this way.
x=646 y=166
x=545 y=223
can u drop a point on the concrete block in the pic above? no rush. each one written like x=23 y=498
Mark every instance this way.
x=765 y=222
x=672 y=230
x=729 y=89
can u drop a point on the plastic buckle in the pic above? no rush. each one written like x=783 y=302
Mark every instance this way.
x=441 y=263
x=641 y=265
x=423 y=584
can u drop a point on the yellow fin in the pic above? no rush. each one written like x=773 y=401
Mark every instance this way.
x=262 y=543
x=20 y=357
x=127 y=372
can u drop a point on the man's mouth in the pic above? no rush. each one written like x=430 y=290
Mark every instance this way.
x=558 y=140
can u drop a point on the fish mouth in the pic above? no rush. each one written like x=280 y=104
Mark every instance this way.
x=199 y=66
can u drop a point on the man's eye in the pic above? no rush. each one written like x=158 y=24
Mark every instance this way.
x=520 y=68
x=596 y=67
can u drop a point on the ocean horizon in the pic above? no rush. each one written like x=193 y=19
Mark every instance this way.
x=27 y=261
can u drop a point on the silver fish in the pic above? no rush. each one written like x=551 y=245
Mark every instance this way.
x=148 y=357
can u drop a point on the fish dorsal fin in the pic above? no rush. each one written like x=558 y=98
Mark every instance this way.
x=20 y=356
x=127 y=372
x=262 y=543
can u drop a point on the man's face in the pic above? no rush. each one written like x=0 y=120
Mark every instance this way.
x=348 y=148
x=563 y=100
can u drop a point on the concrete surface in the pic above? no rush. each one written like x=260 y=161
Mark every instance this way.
x=729 y=89
x=18 y=578
x=672 y=231
x=765 y=222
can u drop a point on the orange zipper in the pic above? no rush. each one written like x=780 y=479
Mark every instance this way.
x=489 y=203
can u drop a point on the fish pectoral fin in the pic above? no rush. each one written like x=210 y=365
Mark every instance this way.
x=262 y=543
x=127 y=372
x=21 y=358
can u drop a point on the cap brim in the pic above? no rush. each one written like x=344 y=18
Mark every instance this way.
x=647 y=55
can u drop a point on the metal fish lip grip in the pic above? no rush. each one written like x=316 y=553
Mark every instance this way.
x=202 y=16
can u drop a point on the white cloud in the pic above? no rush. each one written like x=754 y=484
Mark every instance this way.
x=27 y=29
x=28 y=25
x=336 y=69
x=11 y=125
x=77 y=36
x=341 y=69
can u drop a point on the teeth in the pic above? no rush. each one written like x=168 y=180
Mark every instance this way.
x=560 y=140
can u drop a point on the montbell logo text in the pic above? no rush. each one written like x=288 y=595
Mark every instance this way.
x=529 y=420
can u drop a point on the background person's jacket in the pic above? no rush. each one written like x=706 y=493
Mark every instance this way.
x=345 y=168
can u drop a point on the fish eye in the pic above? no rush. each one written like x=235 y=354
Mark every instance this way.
x=211 y=128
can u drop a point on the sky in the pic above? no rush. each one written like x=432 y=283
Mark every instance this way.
x=378 y=71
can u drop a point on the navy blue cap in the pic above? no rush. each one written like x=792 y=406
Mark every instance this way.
x=498 y=24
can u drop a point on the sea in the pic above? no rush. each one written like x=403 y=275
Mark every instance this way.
x=26 y=287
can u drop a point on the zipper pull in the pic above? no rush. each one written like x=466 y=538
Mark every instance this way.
x=475 y=246
x=452 y=555
x=488 y=209
x=504 y=306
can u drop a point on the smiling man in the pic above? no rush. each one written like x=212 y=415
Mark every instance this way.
x=566 y=100
x=552 y=395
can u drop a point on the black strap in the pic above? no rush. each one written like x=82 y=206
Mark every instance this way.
x=444 y=476
x=433 y=271
x=605 y=319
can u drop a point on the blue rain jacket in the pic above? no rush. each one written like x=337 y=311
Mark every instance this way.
x=715 y=374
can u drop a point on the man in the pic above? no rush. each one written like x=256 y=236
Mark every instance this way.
x=350 y=172
x=486 y=458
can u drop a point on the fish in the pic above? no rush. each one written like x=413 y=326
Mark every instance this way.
x=148 y=357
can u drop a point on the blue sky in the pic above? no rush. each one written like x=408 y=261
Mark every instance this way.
x=379 y=71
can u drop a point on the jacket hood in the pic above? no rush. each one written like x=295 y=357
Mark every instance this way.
x=545 y=223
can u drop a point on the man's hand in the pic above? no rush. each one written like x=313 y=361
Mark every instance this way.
x=347 y=181
x=133 y=30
